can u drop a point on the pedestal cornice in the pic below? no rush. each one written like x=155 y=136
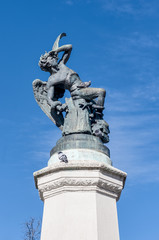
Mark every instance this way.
x=79 y=176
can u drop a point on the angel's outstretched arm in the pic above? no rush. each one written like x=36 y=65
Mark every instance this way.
x=65 y=48
x=67 y=51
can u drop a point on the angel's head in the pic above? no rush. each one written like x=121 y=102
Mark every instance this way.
x=48 y=61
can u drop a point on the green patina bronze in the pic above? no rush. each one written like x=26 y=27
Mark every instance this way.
x=82 y=113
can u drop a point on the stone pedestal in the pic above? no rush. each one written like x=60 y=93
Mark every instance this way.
x=80 y=200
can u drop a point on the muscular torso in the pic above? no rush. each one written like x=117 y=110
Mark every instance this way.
x=64 y=76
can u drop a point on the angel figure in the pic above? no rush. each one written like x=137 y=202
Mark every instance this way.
x=83 y=112
x=65 y=78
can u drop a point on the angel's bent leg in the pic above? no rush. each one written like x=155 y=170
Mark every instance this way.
x=92 y=93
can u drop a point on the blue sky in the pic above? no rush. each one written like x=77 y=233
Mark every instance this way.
x=116 y=46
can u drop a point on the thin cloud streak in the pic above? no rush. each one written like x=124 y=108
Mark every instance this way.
x=133 y=140
x=69 y=2
x=135 y=8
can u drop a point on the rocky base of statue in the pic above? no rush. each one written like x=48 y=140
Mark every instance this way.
x=80 y=200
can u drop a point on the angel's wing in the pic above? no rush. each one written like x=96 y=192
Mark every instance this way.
x=40 y=94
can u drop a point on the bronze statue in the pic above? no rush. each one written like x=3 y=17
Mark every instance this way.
x=83 y=113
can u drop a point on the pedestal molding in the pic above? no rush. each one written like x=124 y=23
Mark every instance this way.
x=77 y=166
x=79 y=176
x=73 y=184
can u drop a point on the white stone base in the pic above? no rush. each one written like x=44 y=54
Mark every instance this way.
x=80 y=200
x=81 y=154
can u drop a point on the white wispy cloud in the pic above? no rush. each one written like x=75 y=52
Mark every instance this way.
x=139 y=99
x=43 y=141
x=73 y=2
x=134 y=46
x=135 y=60
x=69 y=2
x=139 y=7
x=134 y=136
x=133 y=113
x=149 y=92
